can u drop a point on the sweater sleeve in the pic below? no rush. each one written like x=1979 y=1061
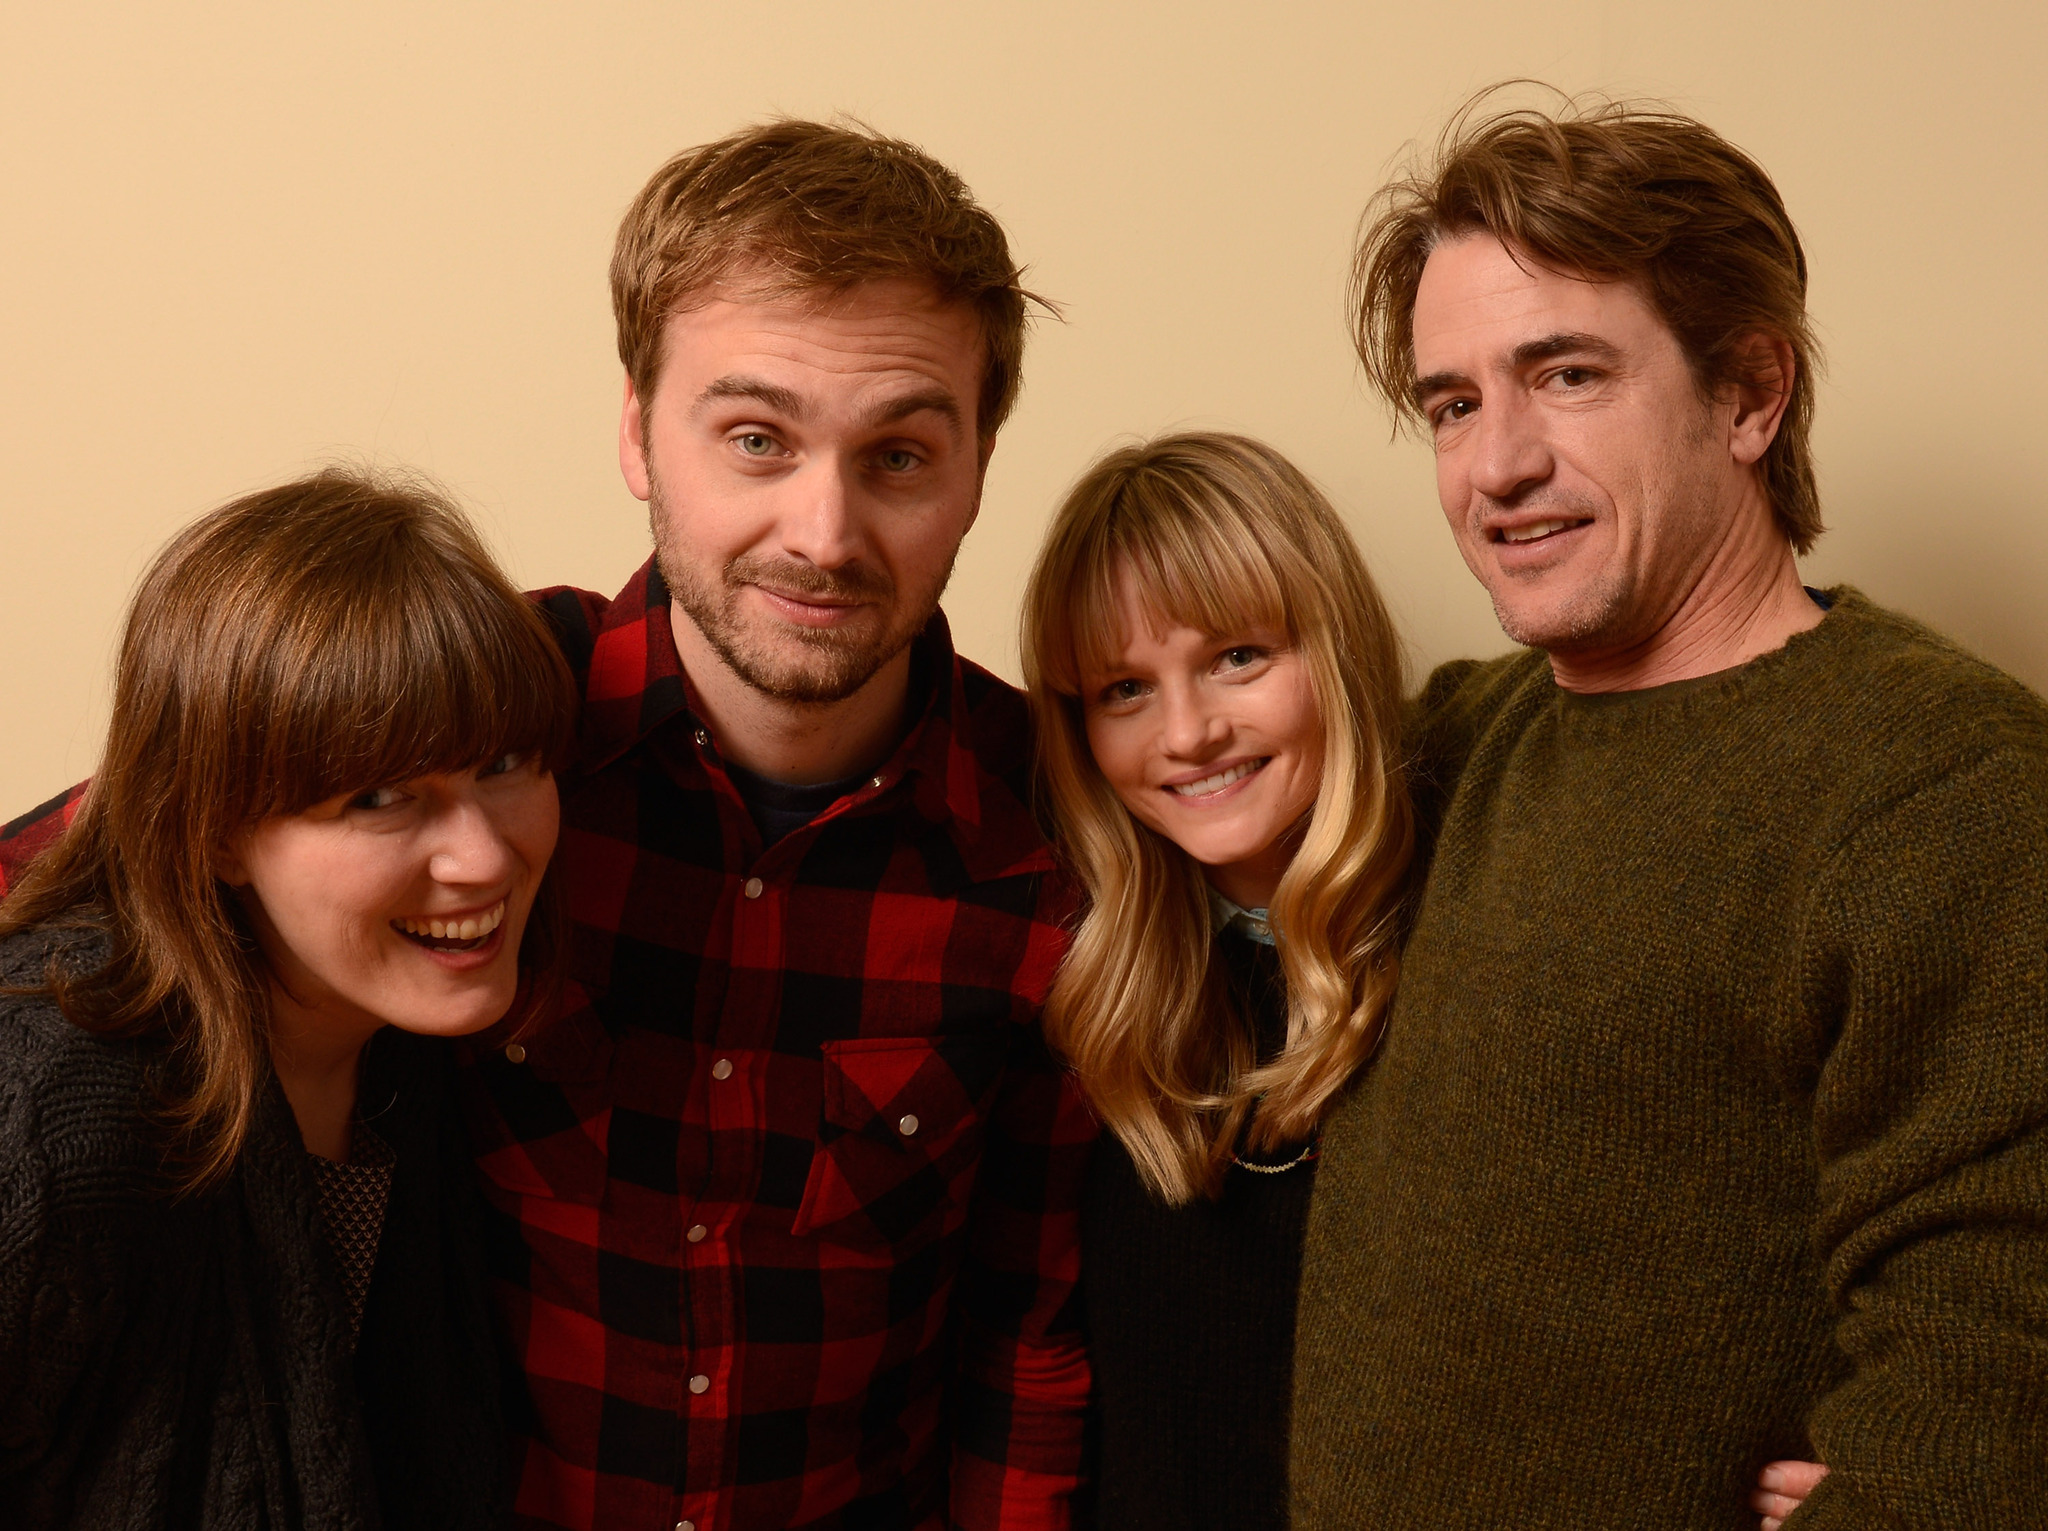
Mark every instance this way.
x=35 y=1346
x=1927 y=992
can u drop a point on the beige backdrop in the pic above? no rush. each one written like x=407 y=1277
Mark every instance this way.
x=240 y=239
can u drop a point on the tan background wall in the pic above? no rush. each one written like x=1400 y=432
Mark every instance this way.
x=238 y=239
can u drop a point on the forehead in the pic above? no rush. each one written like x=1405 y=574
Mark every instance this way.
x=1478 y=300
x=1141 y=625
x=873 y=337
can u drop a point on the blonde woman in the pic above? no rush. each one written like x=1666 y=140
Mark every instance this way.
x=1217 y=692
x=1216 y=686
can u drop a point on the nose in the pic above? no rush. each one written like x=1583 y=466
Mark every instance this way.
x=1192 y=728
x=822 y=527
x=1509 y=454
x=469 y=847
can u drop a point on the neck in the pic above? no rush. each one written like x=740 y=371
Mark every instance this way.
x=797 y=743
x=1747 y=601
x=316 y=1064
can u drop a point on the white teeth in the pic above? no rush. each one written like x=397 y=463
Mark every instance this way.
x=1220 y=780
x=1531 y=533
x=470 y=928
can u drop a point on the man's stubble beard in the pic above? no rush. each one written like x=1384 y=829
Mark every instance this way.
x=830 y=665
x=1608 y=612
x=1588 y=619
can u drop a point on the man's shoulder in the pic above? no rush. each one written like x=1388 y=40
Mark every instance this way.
x=1922 y=693
x=998 y=724
x=577 y=617
x=1462 y=696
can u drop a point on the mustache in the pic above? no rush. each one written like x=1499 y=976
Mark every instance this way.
x=855 y=582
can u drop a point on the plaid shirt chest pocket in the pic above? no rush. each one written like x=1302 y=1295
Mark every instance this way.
x=899 y=1137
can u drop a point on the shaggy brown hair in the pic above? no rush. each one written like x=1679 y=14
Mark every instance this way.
x=328 y=636
x=1612 y=191
x=797 y=208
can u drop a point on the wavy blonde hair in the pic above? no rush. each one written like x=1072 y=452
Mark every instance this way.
x=1219 y=533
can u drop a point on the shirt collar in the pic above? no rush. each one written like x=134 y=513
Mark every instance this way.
x=636 y=684
x=1253 y=924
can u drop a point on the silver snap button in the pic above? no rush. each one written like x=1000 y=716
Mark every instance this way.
x=753 y=887
x=703 y=736
x=514 y=1053
x=699 y=1383
x=696 y=1233
x=907 y=1126
x=722 y=1069
x=879 y=782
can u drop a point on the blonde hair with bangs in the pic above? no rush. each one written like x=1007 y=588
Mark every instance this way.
x=1220 y=533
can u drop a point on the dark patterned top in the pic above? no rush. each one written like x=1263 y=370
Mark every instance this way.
x=352 y=1199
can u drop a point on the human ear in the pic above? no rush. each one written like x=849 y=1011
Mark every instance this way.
x=633 y=444
x=1765 y=371
x=229 y=866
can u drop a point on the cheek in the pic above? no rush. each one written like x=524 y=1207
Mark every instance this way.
x=1119 y=755
x=534 y=828
x=324 y=907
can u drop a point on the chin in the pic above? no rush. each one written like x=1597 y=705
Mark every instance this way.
x=1570 y=620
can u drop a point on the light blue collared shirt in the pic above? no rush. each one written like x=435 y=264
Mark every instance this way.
x=1250 y=923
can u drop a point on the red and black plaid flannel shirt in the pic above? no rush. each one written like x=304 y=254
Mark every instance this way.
x=786 y=1196
x=789 y=1190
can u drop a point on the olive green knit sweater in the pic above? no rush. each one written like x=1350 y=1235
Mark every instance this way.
x=1712 y=1122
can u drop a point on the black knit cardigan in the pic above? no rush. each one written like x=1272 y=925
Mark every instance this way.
x=186 y=1362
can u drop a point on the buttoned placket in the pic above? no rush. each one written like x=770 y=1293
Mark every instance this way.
x=738 y=1048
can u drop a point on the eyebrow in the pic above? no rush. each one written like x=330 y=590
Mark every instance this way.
x=784 y=400
x=1544 y=348
x=787 y=401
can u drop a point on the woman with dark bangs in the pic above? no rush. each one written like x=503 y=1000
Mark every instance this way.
x=241 y=1277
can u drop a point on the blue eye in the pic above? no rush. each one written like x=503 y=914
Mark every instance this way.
x=755 y=443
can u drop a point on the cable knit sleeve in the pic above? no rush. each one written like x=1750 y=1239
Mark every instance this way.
x=1930 y=1115
x=68 y=1176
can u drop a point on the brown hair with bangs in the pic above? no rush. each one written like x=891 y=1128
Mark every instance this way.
x=1609 y=191
x=790 y=208
x=1220 y=533
x=339 y=633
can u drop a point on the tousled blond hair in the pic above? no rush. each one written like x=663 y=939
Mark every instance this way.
x=812 y=208
x=1220 y=533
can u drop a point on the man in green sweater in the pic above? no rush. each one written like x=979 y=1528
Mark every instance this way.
x=1711 y=1124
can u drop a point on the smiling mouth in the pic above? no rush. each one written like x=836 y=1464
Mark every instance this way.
x=1229 y=776
x=459 y=935
x=1535 y=531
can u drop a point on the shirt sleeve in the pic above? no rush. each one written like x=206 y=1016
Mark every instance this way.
x=1929 y=936
x=1022 y=1391
x=27 y=837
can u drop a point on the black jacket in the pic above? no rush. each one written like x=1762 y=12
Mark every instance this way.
x=182 y=1362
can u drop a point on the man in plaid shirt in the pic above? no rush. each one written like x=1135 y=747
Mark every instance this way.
x=786 y=1191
